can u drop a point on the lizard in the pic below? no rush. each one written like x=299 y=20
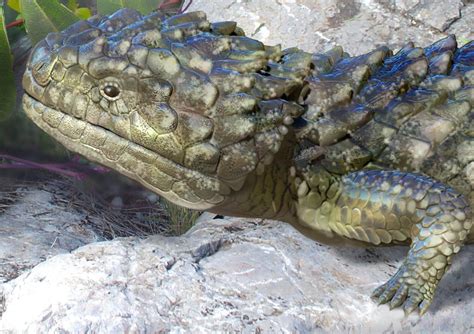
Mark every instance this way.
x=376 y=148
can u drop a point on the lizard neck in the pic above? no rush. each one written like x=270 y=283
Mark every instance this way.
x=269 y=193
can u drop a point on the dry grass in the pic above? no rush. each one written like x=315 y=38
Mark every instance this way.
x=137 y=217
x=10 y=193
x=141 y=218
x=180 y=219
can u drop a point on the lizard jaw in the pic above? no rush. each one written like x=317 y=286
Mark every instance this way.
x=174 y=182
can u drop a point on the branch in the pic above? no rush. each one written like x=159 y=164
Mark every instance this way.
x=15 y=23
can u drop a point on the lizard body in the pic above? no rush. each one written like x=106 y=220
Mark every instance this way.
x=377 y=148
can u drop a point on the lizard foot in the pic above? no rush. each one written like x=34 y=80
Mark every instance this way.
x=389 y=206
x=407 y=289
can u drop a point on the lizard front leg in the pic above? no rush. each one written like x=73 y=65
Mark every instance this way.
x=382 y=207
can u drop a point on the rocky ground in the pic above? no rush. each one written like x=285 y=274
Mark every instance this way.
x=58 y=274
x=35 y=226
x=358 y=26
x=225 y=275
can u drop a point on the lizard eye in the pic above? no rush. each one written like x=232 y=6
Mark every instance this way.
x=111 y=91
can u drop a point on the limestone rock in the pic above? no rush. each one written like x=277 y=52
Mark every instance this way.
x=438 y=14
x=358 y=26
x=463 y=26
x=34 y=226
x=226 y=275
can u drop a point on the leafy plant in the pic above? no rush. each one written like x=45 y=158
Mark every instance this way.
x=44 y=16
x=7 y=83
x=110 y=6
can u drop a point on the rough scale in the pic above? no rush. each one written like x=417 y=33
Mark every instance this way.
x=377 y=148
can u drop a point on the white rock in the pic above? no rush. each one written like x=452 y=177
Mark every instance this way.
x=225 y=275
x=35 y=227
x=358 y=26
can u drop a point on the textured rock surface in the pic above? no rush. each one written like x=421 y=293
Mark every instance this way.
x=225 y=275
x=358 y=26
x=35 y=226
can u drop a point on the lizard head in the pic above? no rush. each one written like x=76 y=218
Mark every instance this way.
x=145 y=96
x=107 y=89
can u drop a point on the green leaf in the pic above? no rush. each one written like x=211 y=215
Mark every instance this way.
x=7 y=81
x=83 y=13
x=14 y=4
x=45 y=16
x=106 y=7
x=72 y=4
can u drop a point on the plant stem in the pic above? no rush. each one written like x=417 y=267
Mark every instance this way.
x=15 y=23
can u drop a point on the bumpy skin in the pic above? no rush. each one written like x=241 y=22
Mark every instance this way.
x=378 y=148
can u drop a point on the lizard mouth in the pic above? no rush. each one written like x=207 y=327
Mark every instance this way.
x=174 y=182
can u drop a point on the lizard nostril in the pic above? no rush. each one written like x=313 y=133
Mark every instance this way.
x=38 y=67
x=42 y=69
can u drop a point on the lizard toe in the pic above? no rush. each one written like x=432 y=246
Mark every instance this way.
x=412 y=303
x=399 y=297
x=387 y=295
x=425 y=304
